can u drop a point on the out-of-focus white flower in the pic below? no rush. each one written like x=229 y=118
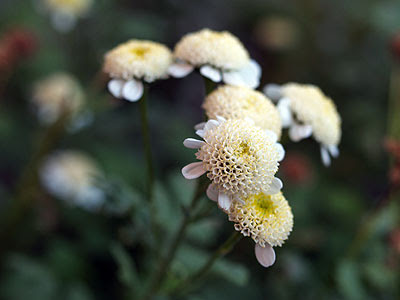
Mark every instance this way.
x=233 y=102
x=220 y=56
x=71 y=176
x=240 y=159
x=267 y=219
x=65 y=13
x=133 y=62
x=306 y=111
x=57 y=94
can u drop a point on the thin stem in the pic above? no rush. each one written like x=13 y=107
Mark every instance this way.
x=224 y=249
x=209 y=85
x=166 y=261
x=28 y=183
x=147 y=145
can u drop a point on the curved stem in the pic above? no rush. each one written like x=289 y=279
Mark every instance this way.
x=224 y=249
x=166 y=261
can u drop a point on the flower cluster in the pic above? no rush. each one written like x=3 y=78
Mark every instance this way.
x=239 y=150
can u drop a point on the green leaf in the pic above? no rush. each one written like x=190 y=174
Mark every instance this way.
x=349 y=280
x=127 y=272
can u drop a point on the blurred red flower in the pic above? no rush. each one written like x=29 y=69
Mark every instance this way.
x=297 y=168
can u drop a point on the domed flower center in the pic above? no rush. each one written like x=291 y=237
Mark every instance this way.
x=140 y=52
x=264 y=204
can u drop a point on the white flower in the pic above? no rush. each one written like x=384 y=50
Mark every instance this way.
x=239 y=158
x=133 y=62
x=267 y=219
x=220 y=56
x=306 y=111
x=56 y=94
x=70 y=176
x=65 y=13
x=233 y=102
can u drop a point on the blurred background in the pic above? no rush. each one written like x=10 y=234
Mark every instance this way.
x=346 y=238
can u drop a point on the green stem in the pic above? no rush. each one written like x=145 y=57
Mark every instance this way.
x=166 y=261
x=28 y=183
x=209 y=85
x=224 y=249
x=147 y=145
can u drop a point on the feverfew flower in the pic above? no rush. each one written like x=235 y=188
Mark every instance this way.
x=267 y=219
x=233 y=102
x=307 y=111
x=133 y=62
x=218 y=55
x=239 y=158
x=70 y=176
x=56 y=94
x=65 y=13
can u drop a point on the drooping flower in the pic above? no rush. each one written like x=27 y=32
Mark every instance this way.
x=71 y=176
x=233 y=102
x=239 y=158
x=65 y=13
x=306 y=111
x=267 y=219
x=220 y=56
x=55 y=95
x=133 y=62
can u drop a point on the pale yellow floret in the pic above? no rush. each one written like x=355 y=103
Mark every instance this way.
x=233 y=102
x=239 y=157
x=73 y=7
x=311 y=106
x=268 y=219
x=57 y=93
x=138 y=59
x=218 y=49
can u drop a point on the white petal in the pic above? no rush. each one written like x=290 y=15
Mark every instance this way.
x=211 y=73
x=211 y=124
x=193 y=170
x=275 y=186
x=333 y=150
x=247 y=76
x=212 y=192
x=221 y=119
x=265 y=255
x=224 y=201
x=115 y=87
x=200 y=133
x=271 y=135
x=132 y=90
x=255 y=67
x=62 y=21
x=280 y=150
x=326 y=159
x=273 y=91
x=200 y=126
x=298 y=132
x=193 y=143
x=285 y=112
x=179 y=70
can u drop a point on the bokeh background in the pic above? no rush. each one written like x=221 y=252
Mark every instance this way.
x=346 y=238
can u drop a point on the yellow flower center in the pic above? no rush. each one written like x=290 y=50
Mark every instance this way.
x=140 y=52
x=263 y=204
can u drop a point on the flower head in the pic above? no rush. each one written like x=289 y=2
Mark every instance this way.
x=218 y=55
x=267 y=219
x=64 y=13
x=233 y=102
x=239 y=158
x=70 y=176
x=54 y=95
x=307 y=111
x=131 y=62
